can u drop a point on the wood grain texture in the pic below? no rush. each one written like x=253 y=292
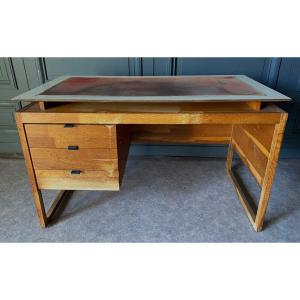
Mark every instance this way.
x=261 y=135
x=84 y=159
x=43 y=216
x=270 y=171
x=87 y=180
x=260 y=139
x=58 y=136
x=254 y=104
x=250 y=153
x=36 y=193
x=104 y=132
x=42 y=105
x=242 y=197
x=188 y=134
x=268 y=115
x=123 y=142
x=143 y=107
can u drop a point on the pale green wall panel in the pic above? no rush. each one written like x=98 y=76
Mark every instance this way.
x=13 y=81
x=86 y=66
x=20 y=74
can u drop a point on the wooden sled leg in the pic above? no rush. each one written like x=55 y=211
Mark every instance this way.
x=242 y=197
x=46 y=217
x=60 y=198
x=43 y=216
x=259 y=148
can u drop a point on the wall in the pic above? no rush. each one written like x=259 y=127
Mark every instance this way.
x=13 y=81
x=283 y=74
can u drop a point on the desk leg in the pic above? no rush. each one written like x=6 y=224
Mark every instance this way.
x=258 y=146
x=43 y=216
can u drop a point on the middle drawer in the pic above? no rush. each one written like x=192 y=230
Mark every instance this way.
x=63 y=159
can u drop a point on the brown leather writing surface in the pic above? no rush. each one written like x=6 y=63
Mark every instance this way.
x=152 y=86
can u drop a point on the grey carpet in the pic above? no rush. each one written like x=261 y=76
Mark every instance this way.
x=163 y=199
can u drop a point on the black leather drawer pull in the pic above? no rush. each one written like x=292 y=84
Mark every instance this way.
x=73 y=172
x=73 y=147
x=69 y=125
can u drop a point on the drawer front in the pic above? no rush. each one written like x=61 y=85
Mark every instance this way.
x=64 y=135
x=86 y=180
x=82 y=159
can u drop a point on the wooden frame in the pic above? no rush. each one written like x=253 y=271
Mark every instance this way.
x=43 y=216
x=255 y=134
x=191 y=109
x=257 y=217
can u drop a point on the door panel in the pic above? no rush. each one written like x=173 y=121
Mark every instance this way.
x=7 y=115
x=12 y=78
x=257 y=68
x=157 y=66
x=282 y=74
x=261 y=69
x=86 y=66
x=13 y=81
x=289 y=83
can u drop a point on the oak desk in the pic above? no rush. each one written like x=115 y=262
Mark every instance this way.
x=76 y=132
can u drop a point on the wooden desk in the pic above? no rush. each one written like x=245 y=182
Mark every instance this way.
x=77 y=131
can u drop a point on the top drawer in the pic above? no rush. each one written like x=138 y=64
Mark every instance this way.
x=64 y=135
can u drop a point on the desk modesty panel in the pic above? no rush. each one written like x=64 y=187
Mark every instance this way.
x=77 y=131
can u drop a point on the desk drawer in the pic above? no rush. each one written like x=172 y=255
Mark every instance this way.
x=82 y=159
x=86 y=180
x=64 y=135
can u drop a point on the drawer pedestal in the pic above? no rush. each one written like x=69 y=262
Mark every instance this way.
x=75 y=156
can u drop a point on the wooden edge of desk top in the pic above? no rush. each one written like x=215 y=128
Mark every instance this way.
x=132 y=108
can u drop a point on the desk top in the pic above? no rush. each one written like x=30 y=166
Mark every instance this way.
x=152 y=88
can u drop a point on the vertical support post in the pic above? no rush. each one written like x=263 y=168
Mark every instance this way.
x=229 y=153
x=42 y=105
x=43 y=216
x=36 y=192
x=270 y=171
x=242 y=197
x=257 y=218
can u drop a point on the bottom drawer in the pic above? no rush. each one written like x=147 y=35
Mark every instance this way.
x=86 y=180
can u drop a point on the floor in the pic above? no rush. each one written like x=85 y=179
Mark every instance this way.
x=163 y=199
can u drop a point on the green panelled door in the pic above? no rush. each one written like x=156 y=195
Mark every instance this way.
x=13 y=81
x=19 y=74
